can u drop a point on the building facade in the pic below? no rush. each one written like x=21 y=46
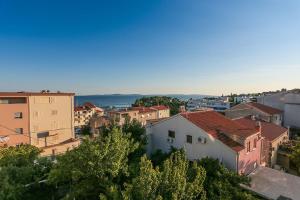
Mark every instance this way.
x=84 y=113
x=208 y=134
x=289 y=102
x=141 y=114
x=273 y=136
x=45 y=120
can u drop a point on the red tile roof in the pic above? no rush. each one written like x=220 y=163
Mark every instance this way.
x=220 y=127
x=143 y=109
x=89 y=105
x=161 y=107
x=78 y=108
x=269 y=130
x=264 y=108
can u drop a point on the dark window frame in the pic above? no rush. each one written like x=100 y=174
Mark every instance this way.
x=171 y=134
x=189 y=139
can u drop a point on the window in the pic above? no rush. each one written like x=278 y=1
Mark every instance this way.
x=42 y=134
x=13 y=100
x=54 y=112
x=19 y=130
x=254 y=144
x=189 y=139
x=171 y=134
x=18 y=115
x=248 y=146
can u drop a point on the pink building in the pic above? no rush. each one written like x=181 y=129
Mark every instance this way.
x=42 y=119
x=209 y=134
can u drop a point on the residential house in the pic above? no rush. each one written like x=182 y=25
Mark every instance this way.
x=289 y=102
x=141 y=114
x=260 y=111
x=208 y=134
x=273 y=136
x=42 y=119
x=84 y=113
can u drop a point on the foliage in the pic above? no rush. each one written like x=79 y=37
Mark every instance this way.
x=223 y=184
x=173 y=103
x=20 y=171
x=178 y=179
x=295 y=156
x=86 y=130
x=94 y=167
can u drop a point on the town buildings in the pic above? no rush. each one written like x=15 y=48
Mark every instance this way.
x=273 y=136
x=288 y=102
x=208 y=133
x=141 y=114
x=219 y=104
x=84 y=113
x=42 y=119
x=260 y=111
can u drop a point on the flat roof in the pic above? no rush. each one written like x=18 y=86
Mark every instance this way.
x=22 y=94
x=272 y=184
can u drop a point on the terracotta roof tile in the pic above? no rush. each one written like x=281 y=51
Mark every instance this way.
x=269 y=130
x=220 y=127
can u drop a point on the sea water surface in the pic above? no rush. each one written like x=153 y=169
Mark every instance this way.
x=116 y=100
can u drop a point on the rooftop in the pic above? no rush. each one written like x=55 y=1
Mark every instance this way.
x=42 y=93
x=269 y=130
x=264 y=108
x=220 y=127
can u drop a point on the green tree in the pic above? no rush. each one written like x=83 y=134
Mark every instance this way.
x=223 y=184
x=173 y=103
x=295 y=156
x=94 y=168
x=21 y=170
x=177 y=179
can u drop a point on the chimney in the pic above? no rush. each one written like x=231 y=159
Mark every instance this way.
x=253 y=117
x=258 y=125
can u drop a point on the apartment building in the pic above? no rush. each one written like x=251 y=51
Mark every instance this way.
x=208 y=134
x=84 y=113
x=42 y=119
x=141 y=114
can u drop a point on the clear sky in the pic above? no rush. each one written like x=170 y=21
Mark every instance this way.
x=150 y=47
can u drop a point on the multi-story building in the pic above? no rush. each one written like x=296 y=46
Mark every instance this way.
x=260 y=111
x=208 y=134
x=288 y=102
x=273 y=136
x=42 y=119
x=84 y=113
x=141 y=114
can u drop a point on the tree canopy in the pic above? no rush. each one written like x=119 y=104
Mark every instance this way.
x=114 y=166
x=173 y=103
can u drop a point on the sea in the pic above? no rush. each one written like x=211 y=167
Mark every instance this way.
x=122 y=100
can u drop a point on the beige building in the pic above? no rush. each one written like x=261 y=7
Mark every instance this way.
x=42 y=119
x=142 y=114
x=83 y=114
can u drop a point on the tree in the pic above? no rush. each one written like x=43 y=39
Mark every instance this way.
x=177 y=179
x=21 y=170
x=94 y=168
x=295 y=156
x=173 y=103
x=223 y=184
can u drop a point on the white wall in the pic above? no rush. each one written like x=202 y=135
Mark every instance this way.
x=158 y=134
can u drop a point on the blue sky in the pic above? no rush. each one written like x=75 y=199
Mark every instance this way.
x=150 y=47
